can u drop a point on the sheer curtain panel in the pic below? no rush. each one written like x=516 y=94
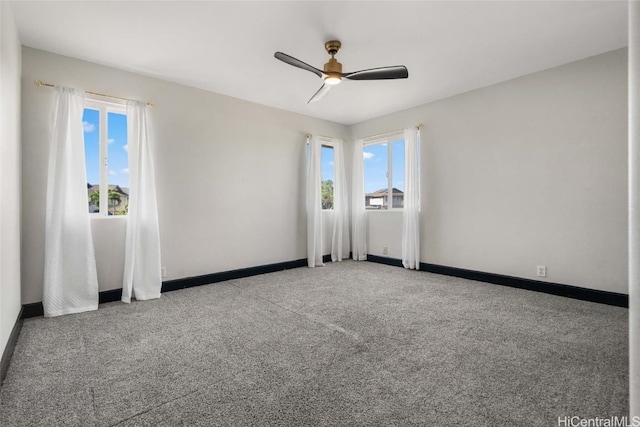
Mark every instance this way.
x=340 y=239
x=142 y=275
x=70 y=279
x=314 y=204
x=358 y=213
x=411 y=209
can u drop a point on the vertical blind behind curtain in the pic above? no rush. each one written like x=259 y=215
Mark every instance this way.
x=70 y=278
x=411 y=209
x=142 y=275
x=314 y=204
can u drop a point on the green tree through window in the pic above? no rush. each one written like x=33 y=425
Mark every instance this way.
x=327 y=194
x=327 y=177
x=114 y=198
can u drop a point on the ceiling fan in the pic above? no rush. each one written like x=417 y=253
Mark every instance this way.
x=332 y=73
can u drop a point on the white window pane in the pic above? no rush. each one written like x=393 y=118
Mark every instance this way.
x=376 y=178
x=397 y=155
x=327 y=168
x=91 y=126
x=118 y=164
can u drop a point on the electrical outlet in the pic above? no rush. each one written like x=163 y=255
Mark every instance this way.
x=542 y=271
x=163 y=271
x=385 y=250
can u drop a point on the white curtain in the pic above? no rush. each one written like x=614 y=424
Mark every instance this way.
x=411 y=209
x=70 y=279
x=314 y=204
x=142 y=275
x=340 y=239
x=358 y=213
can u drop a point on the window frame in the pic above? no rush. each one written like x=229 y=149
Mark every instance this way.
x=104 y=108
x=388 y=139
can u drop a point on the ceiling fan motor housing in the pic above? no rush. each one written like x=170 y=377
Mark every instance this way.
x=333 y=66
x=332 y=46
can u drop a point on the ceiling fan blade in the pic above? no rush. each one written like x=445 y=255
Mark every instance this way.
x=320 y=93
x=382 y=73
x=297 y=63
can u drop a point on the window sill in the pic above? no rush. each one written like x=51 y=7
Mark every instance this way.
x=107 y=218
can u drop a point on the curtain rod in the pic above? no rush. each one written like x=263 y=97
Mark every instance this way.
x=393 y=132
x=40 y=83
x=333 y=138
x=368 y=138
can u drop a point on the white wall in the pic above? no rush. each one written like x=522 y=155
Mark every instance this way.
x=531 y=171
x=230 y=174
x=9 y=174
x=526 y=172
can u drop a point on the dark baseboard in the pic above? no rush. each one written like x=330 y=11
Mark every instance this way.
x=385 y=260
x=11 y=345
x=33 y=309
x=576 y=292
x=593 y=295
x=110 y=296
x=188 y=282
x=36 y=309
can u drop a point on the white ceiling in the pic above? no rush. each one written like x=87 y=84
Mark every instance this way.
x=227 y=47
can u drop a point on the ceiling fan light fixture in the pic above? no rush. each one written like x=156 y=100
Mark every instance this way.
x=332 y=79
x=332 y=73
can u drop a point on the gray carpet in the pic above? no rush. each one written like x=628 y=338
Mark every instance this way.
x=347 y=344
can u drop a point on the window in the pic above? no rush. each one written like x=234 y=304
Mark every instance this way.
x=106 y=158
x=384 y=173
x=327 y=169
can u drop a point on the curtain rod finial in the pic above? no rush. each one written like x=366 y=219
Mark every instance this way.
x=38 y=83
